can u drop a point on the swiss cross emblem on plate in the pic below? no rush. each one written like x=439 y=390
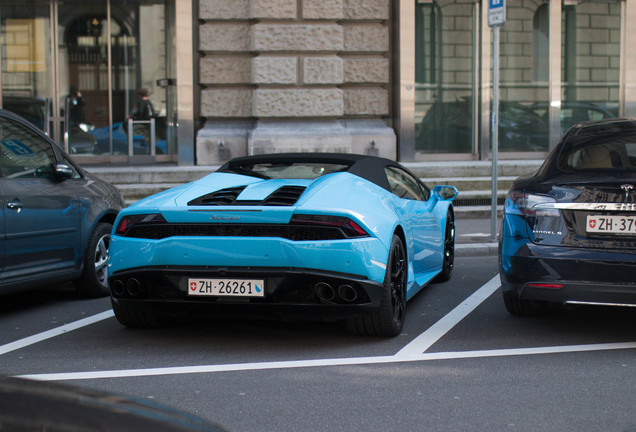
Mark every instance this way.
x=592 y=223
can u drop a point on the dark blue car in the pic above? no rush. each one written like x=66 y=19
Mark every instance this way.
x=56 y=218
x=569 y=230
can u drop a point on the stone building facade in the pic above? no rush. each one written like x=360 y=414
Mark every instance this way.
x=294 y=75
x=406 y=79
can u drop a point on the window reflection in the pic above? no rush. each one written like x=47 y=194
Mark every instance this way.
x=591 y=62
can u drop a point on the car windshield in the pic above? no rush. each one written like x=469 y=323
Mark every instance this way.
x=615 y=151
x=288 y=170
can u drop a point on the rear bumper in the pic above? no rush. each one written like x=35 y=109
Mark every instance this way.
x=289 y=293
x=365 y=257
x=587 y=276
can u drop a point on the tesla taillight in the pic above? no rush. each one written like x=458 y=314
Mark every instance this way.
x=546 y=285
x=525 y=204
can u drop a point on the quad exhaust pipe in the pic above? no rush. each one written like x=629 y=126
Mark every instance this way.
x=343 y=294
x=325 y=292
x=347 y=293
x=118 y=287
x=132 y=287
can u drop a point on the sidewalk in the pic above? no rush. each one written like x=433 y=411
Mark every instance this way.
x=473 y=237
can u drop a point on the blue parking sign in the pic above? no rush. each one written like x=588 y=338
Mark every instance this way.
x=496 y=12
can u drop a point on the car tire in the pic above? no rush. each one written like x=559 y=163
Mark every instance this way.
x=135 y=318
x=524 y=307
x=388 y=319
x=93 y=282
x=448 y=259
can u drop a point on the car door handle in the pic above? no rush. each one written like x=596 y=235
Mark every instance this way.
x=15 y=206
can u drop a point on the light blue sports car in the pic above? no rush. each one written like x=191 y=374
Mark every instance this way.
x=301 y=236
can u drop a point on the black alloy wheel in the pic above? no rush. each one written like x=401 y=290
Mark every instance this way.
x=388 y=319
x=448 y=260
x=94 y=280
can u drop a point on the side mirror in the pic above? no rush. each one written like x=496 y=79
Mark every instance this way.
x=64 y=172
x=445 y=192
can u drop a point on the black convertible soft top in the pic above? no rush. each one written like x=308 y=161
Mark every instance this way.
x=370 y=168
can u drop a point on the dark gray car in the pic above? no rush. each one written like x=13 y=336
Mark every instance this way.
x=56 y=218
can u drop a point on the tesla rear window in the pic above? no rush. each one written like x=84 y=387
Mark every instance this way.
x=617 y=152
x=294 y=170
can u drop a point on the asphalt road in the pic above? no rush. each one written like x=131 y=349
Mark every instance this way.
x=461 y=364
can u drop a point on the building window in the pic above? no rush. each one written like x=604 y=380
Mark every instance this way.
x=541 y=44
x=444 y=77
x=591 y=61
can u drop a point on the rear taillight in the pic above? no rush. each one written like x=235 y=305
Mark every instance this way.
x=546 y=285
x=533 y=216
x=525 y=204
x=128 y=221
x=349 y=227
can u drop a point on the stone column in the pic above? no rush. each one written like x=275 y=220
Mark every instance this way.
x=294 y=75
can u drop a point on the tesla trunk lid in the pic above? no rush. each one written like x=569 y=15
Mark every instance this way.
x=590 y=215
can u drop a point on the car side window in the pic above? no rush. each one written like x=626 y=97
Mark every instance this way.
x=23 y=153
x=404 y=185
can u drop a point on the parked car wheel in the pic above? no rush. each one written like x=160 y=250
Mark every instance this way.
x=388 y=320
x=449 y=249
x=520 y=307
x=94 y=279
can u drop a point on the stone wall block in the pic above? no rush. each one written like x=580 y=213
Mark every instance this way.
x=296 y=103
x=372 y=137
x=323 y=9
x=224 y=37
x=226 y=103
x=273 y=9
x=225 y=70
x=366 y=70
x=219 y=142
x=323 y=70
x=274 y=70
x=366 y=38
x=299 y=136
x=224 y=9
x=367 y=9
x=366 y=101
x=310 y=38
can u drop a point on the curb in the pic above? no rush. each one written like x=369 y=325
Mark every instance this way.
x=475 y=249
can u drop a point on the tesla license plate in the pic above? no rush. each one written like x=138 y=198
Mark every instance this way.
x=226 y=287
x=611 y=224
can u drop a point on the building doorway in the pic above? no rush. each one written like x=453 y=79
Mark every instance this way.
x=77 y=69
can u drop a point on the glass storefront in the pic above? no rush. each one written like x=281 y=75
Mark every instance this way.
x=591 y=62
x=451 y=41
x=80 y=71
x=444 y=70
x=524 y=53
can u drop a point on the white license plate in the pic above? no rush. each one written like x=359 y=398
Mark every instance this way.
x=226 y=287
x=611 y=224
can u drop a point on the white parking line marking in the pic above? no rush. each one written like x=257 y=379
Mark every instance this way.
x=424 y=341
x=415 y=351
x=54 y=332
x=242 y=367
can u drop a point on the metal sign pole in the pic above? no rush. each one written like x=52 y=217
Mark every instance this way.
x=494 y=132
x=496 y=18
